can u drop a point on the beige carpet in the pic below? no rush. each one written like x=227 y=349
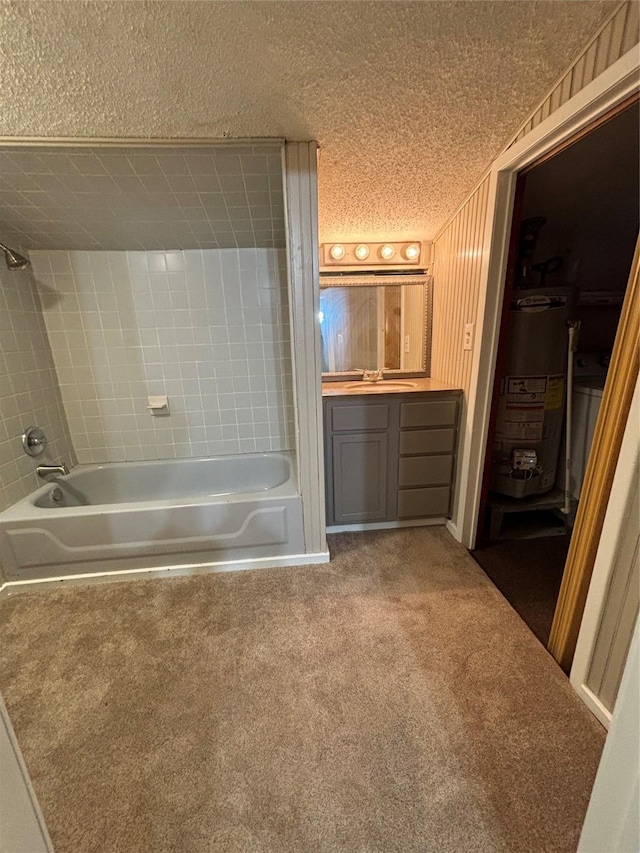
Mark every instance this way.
x=390 y=701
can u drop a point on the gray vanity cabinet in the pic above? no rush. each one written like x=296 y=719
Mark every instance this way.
x=389 y=458
x=361 y=452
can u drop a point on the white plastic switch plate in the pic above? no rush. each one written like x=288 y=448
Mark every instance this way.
x=407 y=344
x=468 y=336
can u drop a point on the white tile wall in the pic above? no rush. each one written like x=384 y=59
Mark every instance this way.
x=29 y=393
x=208 y=328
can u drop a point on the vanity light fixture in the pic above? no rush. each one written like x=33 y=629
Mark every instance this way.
x=371 y=254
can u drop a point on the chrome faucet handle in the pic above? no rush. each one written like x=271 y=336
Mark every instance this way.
x=375 y=375
x=34 y=441
x=371 y=374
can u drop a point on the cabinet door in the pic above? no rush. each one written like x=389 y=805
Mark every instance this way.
x=360 y=477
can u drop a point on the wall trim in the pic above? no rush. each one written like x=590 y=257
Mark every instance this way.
x=453 y=529
x=22 y=825
x=596 y=707
x=612 y=821
x=617 y=512
x=137 y=141
x=387 y=525
x=300 y=176
x=179 y=570
x=611 y=87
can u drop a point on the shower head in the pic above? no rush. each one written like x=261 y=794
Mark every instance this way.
x=15 y=261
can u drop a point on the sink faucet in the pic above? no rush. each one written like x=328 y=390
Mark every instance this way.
x=45 y=470
x=371 y=375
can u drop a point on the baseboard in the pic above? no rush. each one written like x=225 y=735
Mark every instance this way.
x=593 y=704
x=453 y=530
x=386 y=525
x=13 y=587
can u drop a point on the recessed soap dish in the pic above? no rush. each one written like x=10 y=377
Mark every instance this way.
x=158 y=405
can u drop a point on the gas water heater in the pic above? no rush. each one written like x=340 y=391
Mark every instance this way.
x=532 y=393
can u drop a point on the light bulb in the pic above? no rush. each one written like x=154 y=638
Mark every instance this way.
x=337 y=252
x=412 y=252
x=362 y=252
x=387 y=252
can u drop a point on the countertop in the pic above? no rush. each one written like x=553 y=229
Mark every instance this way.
x=358 y=388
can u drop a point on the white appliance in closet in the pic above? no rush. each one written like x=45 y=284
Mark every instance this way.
x=590 y=373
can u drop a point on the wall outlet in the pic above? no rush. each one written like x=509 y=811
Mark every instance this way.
x=407 y=344
x=468 y=336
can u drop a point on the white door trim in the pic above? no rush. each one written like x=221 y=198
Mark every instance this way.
x=615 y=523
x=612 y=822
x=609 y=89
x=22 y=825
x=301 y=200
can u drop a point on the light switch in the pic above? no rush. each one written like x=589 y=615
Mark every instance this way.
x=468 y=336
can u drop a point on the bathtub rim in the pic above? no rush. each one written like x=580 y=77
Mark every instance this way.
x=26 y=509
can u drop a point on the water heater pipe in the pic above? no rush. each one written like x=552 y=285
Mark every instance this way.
x=574 y=327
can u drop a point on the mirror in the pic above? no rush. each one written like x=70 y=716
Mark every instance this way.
x=366 y=325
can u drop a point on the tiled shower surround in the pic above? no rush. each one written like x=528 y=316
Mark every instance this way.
x=207 y=328
x=29 y=393
x=136 y=198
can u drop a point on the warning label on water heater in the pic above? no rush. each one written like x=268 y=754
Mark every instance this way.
x=530 y=388
x=521 y=422
x=521 y=414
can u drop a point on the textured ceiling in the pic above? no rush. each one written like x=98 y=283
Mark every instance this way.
x=409 y=101
x=142 y=198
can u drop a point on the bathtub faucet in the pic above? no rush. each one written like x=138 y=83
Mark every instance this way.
x=45 y=470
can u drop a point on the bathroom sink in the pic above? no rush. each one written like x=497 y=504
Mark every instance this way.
x=381 y=386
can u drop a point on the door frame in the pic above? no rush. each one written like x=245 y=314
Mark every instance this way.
x=607 y=91
x=501 y=352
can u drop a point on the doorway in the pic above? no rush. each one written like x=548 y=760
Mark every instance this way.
x=573 y=234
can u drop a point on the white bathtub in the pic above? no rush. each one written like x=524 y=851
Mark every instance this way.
x=137 y=516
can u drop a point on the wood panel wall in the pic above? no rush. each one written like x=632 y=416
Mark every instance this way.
x=456 y=270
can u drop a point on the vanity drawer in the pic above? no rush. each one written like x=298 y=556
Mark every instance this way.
x=354 y=418
x=426 y=414
x=424 y=470
x=427 y=441
x=418 y=503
